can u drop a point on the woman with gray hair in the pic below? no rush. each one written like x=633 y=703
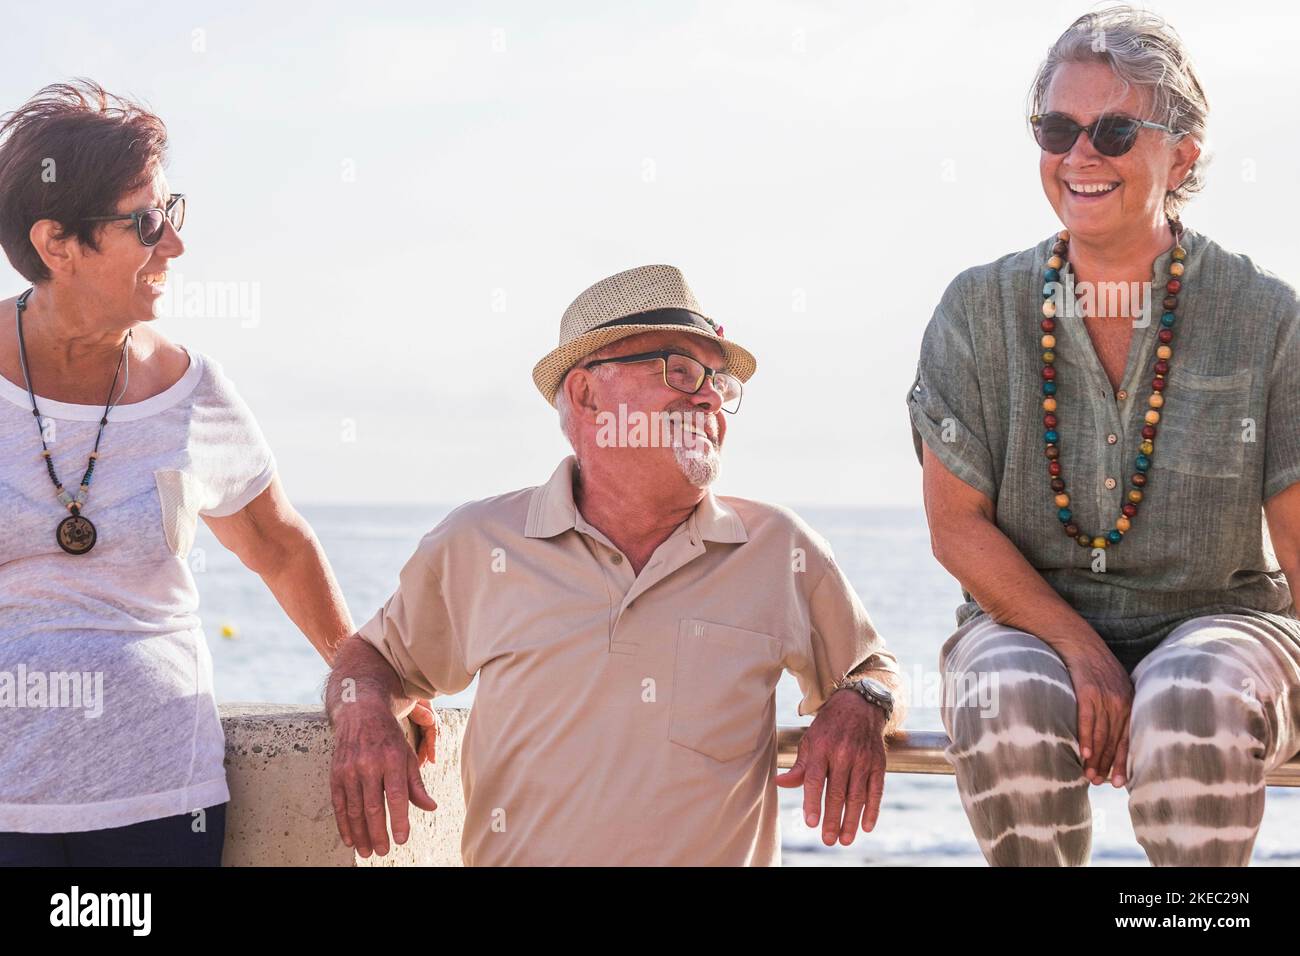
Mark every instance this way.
x=1102 y=420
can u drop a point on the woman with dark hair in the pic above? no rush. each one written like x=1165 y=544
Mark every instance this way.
x=113 y=441
x=1098 y=469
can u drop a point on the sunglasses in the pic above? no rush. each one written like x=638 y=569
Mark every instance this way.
x=686 y=374
x=151 y=223
x=1111 y=134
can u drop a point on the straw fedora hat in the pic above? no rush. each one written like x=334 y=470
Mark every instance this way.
x=644 y=299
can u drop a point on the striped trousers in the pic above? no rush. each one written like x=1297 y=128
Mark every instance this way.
x=1216 y=706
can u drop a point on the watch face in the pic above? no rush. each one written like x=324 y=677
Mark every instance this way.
x=878 y=688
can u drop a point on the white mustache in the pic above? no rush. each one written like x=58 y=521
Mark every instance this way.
x=703 y=425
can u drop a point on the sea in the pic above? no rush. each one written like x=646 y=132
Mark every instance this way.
x=259 y=655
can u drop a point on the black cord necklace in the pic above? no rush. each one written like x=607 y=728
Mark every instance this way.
x=75 y=533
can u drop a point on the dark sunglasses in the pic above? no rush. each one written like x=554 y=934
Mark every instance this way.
x=151 y=223
x=1111 y=134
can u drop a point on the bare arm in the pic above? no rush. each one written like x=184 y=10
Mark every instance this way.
x=842 y=754
x=1283 y=514
x=277 y=543
x=968 y=543
x=966 y=540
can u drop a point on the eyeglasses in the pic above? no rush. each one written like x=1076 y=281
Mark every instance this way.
x=686 y=375
x=1111 y=134
x=151 y=223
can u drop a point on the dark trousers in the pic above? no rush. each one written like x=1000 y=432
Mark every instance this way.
x=170 y=841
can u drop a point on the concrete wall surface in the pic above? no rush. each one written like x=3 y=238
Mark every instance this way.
x=280 y=813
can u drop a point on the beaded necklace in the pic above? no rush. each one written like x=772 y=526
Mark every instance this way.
x=75 y=533
x=1156 y=401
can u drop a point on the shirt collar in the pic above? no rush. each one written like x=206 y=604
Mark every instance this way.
x=552 y=511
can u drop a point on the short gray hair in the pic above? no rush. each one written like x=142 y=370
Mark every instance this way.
x=1143 y=50
x=562 y=398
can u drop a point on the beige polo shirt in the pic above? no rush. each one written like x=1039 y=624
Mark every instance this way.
x=622 y=719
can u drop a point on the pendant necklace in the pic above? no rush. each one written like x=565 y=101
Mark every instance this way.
x=75 y=533
x=1155 y=402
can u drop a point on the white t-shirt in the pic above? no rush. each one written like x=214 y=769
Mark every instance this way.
x=107 y=713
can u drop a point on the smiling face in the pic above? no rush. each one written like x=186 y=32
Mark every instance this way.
x=695 y=423
x=125 y=278
x=1107 y=198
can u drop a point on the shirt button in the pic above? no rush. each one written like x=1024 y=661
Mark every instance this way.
x=1111 y=439
x=1121 y=395
x=616 y=558
x=1110 y=482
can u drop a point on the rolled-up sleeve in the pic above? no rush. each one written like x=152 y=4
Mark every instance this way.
x=843 y=641
x=1281 y=434
x=944 y=399
x=414 y=631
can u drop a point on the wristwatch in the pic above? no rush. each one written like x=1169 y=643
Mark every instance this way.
x=874 y=691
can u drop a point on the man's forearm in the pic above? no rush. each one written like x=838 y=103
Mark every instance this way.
x=892 y=680
x=899 y=712
x=361 y=675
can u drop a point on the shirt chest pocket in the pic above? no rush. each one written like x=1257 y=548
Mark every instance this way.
x=723 y=683
x=1206 y=424
x=180 y=496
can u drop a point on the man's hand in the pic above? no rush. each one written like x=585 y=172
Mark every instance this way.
x=846 y=745
x=426 y=731
x=373 y=763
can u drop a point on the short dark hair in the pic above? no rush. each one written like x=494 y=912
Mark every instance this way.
x=71 y=151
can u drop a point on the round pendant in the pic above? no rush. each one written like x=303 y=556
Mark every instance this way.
x=76 y=535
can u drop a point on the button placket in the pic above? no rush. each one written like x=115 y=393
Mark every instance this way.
x=679 y=553
x=1112 y=455
x=1107 y=459
x=615 y=576
x=1108 y=420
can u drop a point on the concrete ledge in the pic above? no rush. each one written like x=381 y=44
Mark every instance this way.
x=278 y=765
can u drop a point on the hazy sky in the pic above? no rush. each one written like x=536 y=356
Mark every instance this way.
x=407 y=196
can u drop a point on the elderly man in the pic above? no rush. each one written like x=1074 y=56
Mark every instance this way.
x=628 y=629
